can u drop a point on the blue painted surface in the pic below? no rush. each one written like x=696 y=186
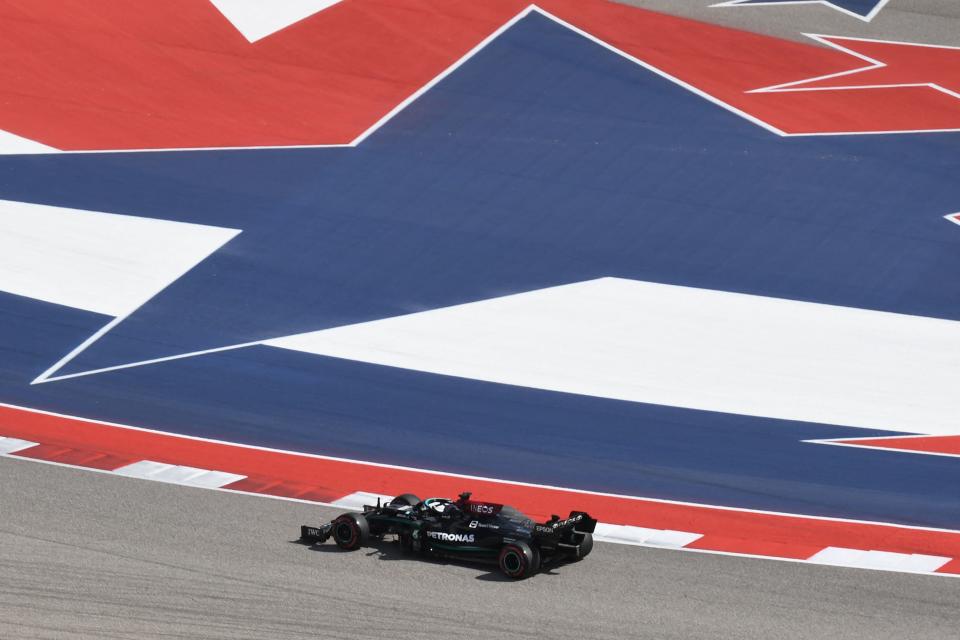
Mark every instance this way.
x=859 y=7
x=290 y=400
x=544 y=160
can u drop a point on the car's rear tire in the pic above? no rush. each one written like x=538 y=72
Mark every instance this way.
x=406 y=499
x=517 y=560
x=537 y=559
x=351 y=531
x=586 y=546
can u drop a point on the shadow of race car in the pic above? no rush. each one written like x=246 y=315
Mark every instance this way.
x=464 y=529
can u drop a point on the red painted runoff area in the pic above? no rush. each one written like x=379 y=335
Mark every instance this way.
x=78 y=442
x=946 y=445
x=81 y=75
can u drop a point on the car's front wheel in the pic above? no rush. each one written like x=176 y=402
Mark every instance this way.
x=350 y=531
x=517 y=560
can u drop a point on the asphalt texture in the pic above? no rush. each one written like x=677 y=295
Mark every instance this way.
x=921 y=21
x=88 y=555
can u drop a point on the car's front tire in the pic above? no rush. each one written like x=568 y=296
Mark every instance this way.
x=351 y=531
x=517 y=560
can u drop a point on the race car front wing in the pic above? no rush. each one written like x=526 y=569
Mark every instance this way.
x=316 y=535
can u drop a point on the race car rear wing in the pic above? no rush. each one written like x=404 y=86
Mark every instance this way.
x=576 y=522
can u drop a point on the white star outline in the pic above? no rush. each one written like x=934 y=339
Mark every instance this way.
x=796 y=86
x=744 y=3
x=534 y=8
x=49 y=375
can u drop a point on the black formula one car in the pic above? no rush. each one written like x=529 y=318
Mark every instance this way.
x=464 y=529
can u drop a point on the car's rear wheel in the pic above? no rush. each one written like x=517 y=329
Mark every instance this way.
x=350 y=531
x=406 y=499
x=517 y=560
x=586 y=546
x=537 y=559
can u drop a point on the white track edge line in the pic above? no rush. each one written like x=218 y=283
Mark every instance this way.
x=449 y=474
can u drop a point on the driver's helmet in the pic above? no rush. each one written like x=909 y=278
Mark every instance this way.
x=443 y=508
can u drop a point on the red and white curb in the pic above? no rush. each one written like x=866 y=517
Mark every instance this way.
x=348 y=484
x=178 y=474
x=908 y=562
x=12 y=445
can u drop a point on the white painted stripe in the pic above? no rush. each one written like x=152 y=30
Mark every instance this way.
x=886 y=560
x=683 y=347
x=178 y=474
x=622 y=533
x=356 y=500
x=101 y=262
x=879 y=447
x=640 y=536
x=672 y=539
x=11 y=143
x=215 y=479
x=780 y=3
x=142 y=469
x=12 y=445
x=257 y=19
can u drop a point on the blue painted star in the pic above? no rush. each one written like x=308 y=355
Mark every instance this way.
x=544 y=160
x=863 y=9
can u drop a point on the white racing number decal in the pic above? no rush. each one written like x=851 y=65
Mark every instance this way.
x=450 y=537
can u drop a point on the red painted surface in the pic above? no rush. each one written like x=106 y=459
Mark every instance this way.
x=951 y=567
x=100 y=74
x=285 y=489
x=320 y=479
x=77 y=457
x=931 y=444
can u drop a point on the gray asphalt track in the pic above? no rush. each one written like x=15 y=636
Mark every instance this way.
x=87 y=555
x=924 y=21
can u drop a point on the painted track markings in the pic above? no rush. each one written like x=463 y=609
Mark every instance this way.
x=913 y=562
x=12 y=445
x=178 y=474
x=351 y=483
x=641 y=536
